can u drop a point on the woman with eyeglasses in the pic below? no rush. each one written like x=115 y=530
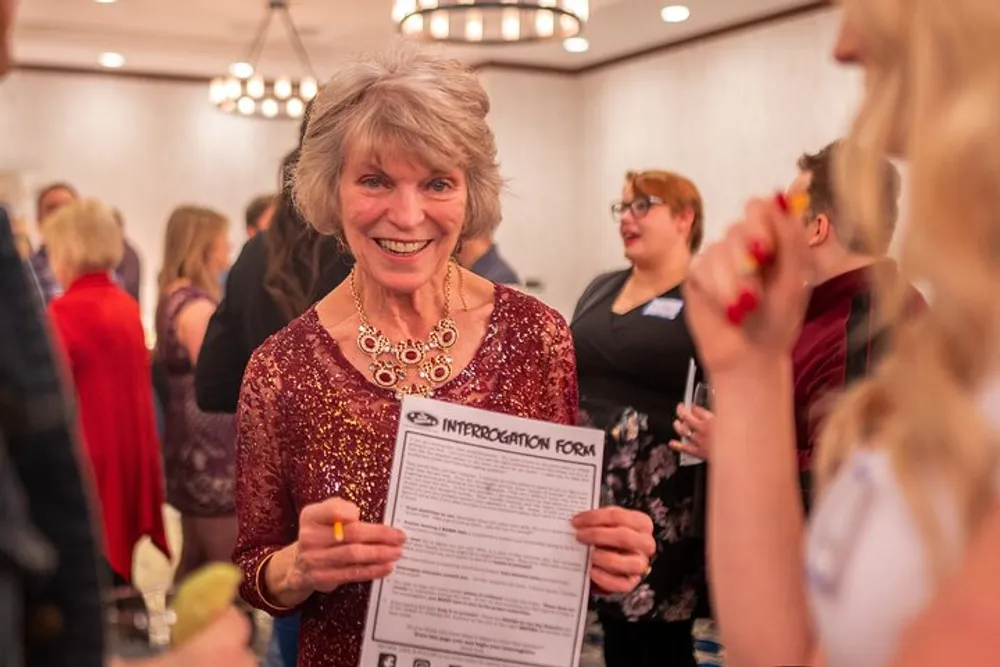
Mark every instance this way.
x=633 y=351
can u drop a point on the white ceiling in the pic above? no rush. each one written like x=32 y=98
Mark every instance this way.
x=200 y=37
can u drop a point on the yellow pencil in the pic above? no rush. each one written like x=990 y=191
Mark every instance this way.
x=338 y=531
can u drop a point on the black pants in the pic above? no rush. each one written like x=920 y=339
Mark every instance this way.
x=652 y=644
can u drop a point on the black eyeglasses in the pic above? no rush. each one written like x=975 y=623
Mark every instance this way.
x=639 y=206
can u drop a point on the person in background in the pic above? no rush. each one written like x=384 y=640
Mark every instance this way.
x=129 y=270
x=482 y=256
x=633 y=351
x=50 y=199
x=908 y=467
x=841 y=339
x=197 y=446
x=259 y=213
x=278 y=275
x=399 y=163
x=100 y=332
x=51 y=613
x=20 y=231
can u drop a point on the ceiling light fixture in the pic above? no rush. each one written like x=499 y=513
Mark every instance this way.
x=576 y=44
x=490 y=21
x=105 y=2
x=111 y=60
x=244 y=91
x=675 y=14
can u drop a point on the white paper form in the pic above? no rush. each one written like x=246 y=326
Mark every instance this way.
x=491 y=572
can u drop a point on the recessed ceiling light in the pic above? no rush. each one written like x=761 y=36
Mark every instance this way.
x=576 y=44
x=105 y=2
x=112 y=60
x=675 y=13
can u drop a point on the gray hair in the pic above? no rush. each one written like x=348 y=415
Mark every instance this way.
x=402 y=100
x=85 y=237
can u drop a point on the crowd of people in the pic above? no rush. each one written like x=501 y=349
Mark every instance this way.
x=835 y=502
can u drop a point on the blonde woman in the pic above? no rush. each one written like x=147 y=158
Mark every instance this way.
x=908 y=465
x=101 y=336
x=198 y=447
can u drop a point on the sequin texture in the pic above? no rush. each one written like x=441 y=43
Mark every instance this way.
x=312 y=426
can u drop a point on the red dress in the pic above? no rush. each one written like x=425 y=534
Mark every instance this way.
x=104 y=346
x=310 y=426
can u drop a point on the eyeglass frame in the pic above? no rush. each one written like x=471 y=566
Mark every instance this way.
x=619 y=207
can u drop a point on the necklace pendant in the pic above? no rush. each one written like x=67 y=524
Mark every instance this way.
x=444 y=335
x=410 y=353
x=371 y=341
x=386 y=375
x=437 y=370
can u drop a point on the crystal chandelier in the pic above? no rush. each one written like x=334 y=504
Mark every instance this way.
x=490 y=22
x=244 y=91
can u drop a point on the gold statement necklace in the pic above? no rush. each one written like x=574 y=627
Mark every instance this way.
x=393 y=363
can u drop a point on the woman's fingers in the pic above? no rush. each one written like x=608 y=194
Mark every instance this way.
x=618 y=538
x=696 y=451
x=350 y=555
x=611 y=583
x=620 y=564
x=373 y=533
x=326 y=580
x=614 y=516
x=330 y=511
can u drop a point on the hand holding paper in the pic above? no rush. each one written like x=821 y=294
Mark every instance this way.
x=327 y=559
x=623 y=544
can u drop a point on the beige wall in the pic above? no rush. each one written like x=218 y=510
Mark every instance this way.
x=733 y=113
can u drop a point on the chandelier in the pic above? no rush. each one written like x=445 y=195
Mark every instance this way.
x=244 y=91
x=490 y=22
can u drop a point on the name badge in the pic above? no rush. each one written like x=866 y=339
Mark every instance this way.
x=663 y=307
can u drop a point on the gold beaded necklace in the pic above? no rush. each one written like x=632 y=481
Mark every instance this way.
x=391 y=362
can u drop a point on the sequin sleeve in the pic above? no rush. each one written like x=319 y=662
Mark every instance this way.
x=265 y=512
x=561 y=391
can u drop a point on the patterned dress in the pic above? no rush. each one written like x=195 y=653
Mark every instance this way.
x=198 y=447
x=311 y=426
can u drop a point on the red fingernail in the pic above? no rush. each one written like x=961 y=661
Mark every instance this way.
x=760 y=252
x=782 y=202
x=748 y=300
x=736 y=314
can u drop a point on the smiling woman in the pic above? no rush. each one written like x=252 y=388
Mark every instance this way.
x=398 y=163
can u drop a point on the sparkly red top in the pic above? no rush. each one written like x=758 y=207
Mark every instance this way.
x=311 y=426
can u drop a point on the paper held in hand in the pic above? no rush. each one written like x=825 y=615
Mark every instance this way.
x=491 y=572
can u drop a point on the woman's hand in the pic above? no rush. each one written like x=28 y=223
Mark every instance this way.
x=623 y=544
x=695 y=425
x=745 y=296
x=328 y=557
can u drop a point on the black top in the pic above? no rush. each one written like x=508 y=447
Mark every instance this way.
x=633 y=371
x=246 y=317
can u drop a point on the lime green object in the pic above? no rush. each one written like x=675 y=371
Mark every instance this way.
x=202 y=598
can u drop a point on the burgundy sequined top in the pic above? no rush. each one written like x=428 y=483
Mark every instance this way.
x=311 y=426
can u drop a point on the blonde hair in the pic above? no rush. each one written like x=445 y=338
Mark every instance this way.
x=934 y=69
x=406 y=102
x=191 y=230
x=83 y=237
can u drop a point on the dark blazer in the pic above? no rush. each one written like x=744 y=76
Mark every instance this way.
x=63 y=614
x=246 y=317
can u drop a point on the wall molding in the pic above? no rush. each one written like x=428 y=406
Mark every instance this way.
x=806 y=9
